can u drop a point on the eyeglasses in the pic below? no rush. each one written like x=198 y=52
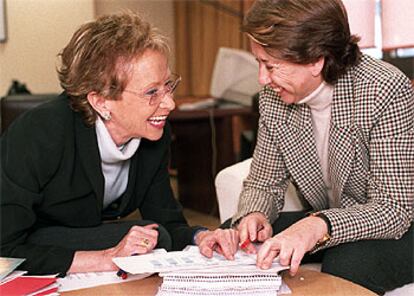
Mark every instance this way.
x=155 y=95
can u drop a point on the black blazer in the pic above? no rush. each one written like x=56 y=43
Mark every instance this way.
x=51 y=175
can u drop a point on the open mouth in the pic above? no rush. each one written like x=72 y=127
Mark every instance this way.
x=158 y=121
x=277 y=89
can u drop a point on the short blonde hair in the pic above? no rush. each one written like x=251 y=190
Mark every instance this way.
x=97 y=58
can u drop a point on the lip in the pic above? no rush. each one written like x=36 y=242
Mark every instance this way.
x=158 y=121
x=277 y=89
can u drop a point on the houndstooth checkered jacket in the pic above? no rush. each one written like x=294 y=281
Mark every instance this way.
x=371 y=156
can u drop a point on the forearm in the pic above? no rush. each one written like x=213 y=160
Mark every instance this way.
x=88 y=261
x=369 y=221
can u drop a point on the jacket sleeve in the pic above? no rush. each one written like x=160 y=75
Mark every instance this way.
x=26 y=153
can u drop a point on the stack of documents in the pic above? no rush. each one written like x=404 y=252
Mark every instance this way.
x=220 y=281
x=190 y=273
x=17 y=284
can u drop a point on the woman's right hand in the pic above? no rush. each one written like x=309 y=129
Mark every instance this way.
x=254 y=227
x=138 y=240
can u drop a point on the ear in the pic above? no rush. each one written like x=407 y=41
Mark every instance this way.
x=98 y=103
x=317 y=67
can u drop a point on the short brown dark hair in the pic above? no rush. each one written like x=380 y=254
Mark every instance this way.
x=302 y=31
x=98 y=55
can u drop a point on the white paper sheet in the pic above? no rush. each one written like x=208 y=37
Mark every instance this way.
x=187 y=259
x=76 y=281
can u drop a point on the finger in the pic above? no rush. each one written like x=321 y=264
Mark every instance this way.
x=265 y=233
x=235 y=240
x=250 y=249
x=206 y=250
x=147 y=242
x=224 y=242
x=151 y=226
x=138 y=249
x=140 y=231
x=252 y=230
x=226 y=250
x=218 y=249
x=264 y=251
x=295 y=261
x=285 y=255
x=243 y=232
x=267 y=261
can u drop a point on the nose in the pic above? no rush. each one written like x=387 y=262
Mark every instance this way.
x=264 y=75
x=167 y=102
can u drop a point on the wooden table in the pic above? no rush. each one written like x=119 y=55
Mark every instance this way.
x=305 y=283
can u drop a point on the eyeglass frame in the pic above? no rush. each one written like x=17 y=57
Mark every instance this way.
x=160 y=93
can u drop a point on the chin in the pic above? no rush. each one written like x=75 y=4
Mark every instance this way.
x=154 y=136
x=288 y=100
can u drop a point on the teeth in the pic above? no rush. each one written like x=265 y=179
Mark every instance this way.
x=158 y=118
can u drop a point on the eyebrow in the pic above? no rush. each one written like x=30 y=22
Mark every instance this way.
x=154 y=84
x=262 y=60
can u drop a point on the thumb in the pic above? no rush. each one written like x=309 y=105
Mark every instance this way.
x=151 y=226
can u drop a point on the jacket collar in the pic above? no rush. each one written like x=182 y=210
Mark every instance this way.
x=298 y=144
x=89 y=157
x=342 y=132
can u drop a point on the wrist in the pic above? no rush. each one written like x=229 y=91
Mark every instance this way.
x=197 y=233
x=107 y=256
x=324 y=231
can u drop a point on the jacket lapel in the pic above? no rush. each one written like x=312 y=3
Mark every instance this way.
x=298 y=145
x=341 y=147
x=89 y=156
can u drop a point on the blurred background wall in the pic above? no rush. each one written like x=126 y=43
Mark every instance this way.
x=38 y=29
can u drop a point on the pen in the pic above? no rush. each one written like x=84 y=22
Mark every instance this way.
x=244 y=244
x=247 y=241
x=122 y=273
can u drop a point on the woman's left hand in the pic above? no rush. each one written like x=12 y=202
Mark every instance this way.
x=223 y=241
x=292 y=244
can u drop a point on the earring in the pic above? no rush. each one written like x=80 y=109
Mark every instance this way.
x=106 y=116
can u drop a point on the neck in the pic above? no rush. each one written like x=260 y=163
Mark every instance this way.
x=118 y=136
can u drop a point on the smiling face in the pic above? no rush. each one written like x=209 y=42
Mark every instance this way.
x=291 y=81
x=132 y=115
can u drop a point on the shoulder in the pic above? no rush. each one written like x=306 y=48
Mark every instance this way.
x=379 y=76
x=375 y=84
x=47 y=117
x=35 y=142
x=41 y=129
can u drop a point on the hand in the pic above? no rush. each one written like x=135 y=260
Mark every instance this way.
x=138 y=240
x=254 y=227
x=223 y=241
x=292 y=244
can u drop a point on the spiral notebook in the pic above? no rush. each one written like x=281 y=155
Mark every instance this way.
x=218 y=282
x=229 y=280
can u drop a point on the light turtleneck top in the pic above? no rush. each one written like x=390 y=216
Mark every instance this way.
x=115 y=162
x=320 y=103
